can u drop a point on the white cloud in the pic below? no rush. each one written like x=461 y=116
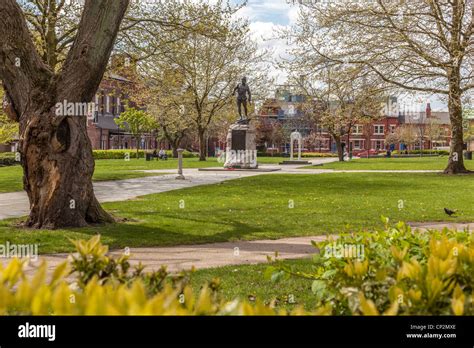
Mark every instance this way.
x=267 y=19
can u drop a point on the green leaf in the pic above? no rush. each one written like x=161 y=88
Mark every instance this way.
x=319 y=288
x=277 y=276
x=269 y=272
x=329 y=274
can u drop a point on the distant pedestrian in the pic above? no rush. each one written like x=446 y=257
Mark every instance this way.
x=162 y=155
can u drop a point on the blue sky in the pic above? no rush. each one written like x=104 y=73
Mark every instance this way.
x=278 y=12
x=266 y=17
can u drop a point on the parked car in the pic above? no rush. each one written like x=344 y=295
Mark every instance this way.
x=363 y=153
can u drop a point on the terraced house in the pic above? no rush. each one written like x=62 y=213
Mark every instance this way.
x=395 y=130
x=111 y=99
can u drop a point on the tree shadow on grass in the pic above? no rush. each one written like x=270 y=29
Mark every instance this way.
x=137 y=235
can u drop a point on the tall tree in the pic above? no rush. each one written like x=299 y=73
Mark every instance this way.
x=54 y=25
x=340 y=97
x=433 y=131
x=416 y=45
x=212 y=65
x=55 y=150
x=408 y=135
x=167 y=99
x=138 y=123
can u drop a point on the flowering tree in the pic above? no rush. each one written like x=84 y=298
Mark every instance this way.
x=137 y=122
x=420 y=46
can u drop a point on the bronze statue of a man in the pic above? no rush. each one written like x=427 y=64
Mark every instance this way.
x=243 y=90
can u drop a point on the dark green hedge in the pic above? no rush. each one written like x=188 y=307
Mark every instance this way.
x=426 y=152
x=120 y=154
x=304 y=154
x=7 y=159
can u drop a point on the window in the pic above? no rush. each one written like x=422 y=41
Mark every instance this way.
x=320 y=129
x=358 y=144
x=104 y=142
x=378 y=144
x=112 y=104
x=102 y=102
x=107 y=106
x=358 y=129
x=379 y=129
x=392 y=129
x=322 y=144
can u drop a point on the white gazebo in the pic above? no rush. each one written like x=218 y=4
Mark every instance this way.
x=295 y=136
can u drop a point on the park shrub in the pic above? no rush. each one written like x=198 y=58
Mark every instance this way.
x=8 y=159
x=186 y=154
x=132 y=154
x=425 y=152
x=117 y=154
x=92 y=283
x=303 y=154
x=91 y=262
x=317 y=155
x=399 y=272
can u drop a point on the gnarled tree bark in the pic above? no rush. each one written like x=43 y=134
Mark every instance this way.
x=56 y=153
x=456 y=160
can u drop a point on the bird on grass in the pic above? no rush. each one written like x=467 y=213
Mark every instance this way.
x=449 y=211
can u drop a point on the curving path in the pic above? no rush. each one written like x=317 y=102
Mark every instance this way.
x=202 y=256
x=16 y=204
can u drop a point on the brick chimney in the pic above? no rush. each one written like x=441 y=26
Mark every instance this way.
x=428 y=110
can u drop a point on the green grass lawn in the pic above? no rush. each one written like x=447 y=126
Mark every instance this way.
x=248 y=282
x=11 y=177
x=258 y=208
x=417 y=163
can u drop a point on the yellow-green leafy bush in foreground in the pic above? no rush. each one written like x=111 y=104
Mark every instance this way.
x=397 y=271
x=99 y=285
x=402 y=272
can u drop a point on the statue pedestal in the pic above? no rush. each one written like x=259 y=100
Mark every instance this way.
x=241 y=152
x=295 y=162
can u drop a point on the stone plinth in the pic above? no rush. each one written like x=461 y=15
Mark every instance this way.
x=295 y=162
x=241 y=152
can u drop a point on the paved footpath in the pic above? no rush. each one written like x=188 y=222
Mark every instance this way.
x=200 y=256
x=204 y=256
x=16 y=204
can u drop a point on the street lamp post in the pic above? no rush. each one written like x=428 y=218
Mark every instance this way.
x=180 y=165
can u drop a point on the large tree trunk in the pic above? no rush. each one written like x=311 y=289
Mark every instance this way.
x=174 y=142
x=202 y=145
x=55 y=149
x=137 y=141
x=174 y=148
x=58 y=166
x=340 y=152
x=456 y=160
x=174 y=139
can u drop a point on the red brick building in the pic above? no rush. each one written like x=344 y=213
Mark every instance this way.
x=110 y=101
x=373 y=137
